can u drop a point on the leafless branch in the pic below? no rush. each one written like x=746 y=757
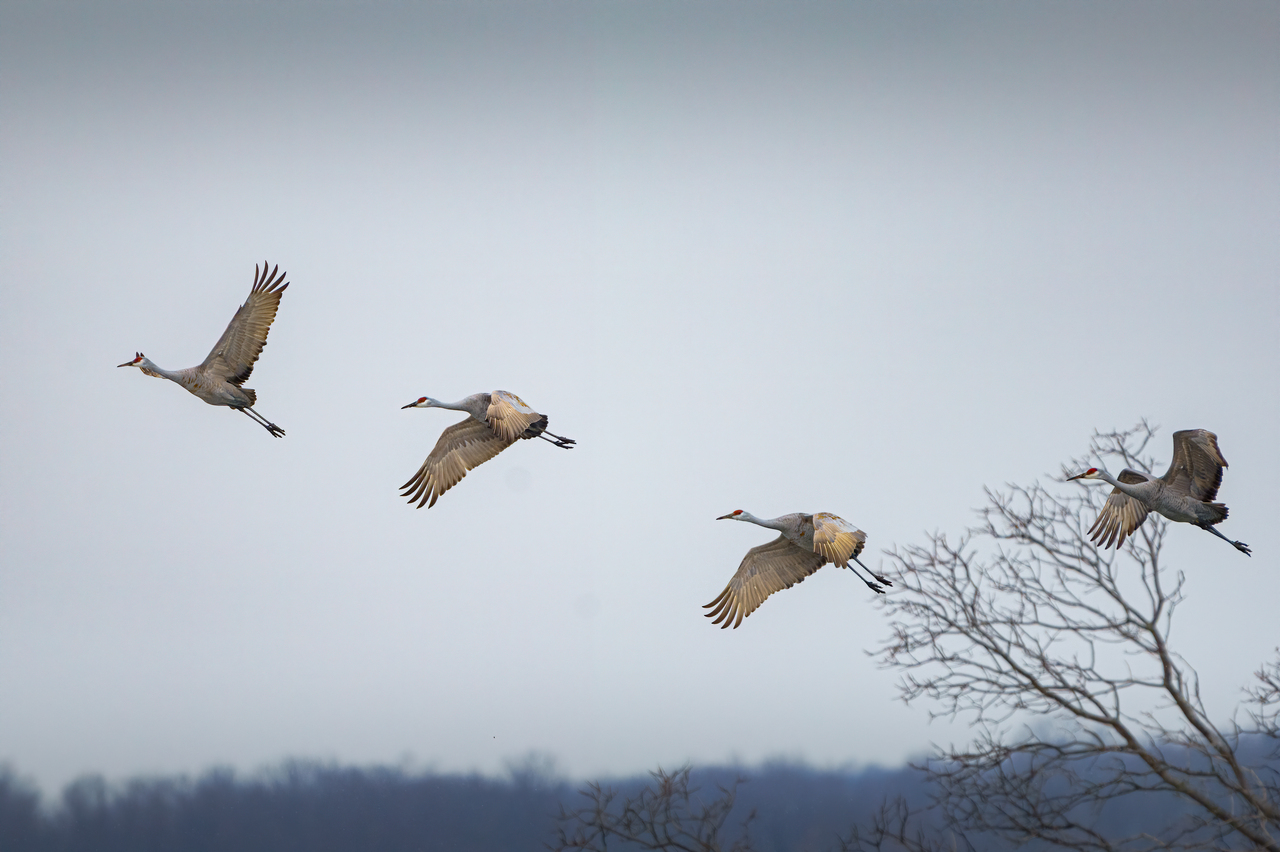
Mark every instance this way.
x=666 y=815
x=1023 y=618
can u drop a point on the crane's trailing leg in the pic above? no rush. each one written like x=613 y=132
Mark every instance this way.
x=561 y=442
x=276 y=431
x=871 y=584
x=1238 y=545
x=884 y=580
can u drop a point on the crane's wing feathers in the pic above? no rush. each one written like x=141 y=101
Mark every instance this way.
x=461 y=447
x=233 y=356
x=509 y=416
x=1196 y=469
x=836 y=539
x=1121 y=514
x=766 y=569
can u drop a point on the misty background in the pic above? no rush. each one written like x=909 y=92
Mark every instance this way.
x=850 y=257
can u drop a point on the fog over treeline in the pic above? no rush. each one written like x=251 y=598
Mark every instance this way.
x=325 y=807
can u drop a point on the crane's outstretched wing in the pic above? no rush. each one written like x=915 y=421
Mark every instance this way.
x=766 y=569
x=836 y=539
x=508 y=415
x=461 y=447
x=1121 y=514
x=233 y=356
x=1196 y=469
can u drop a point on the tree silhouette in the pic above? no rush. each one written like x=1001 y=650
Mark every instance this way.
x=1023 y=617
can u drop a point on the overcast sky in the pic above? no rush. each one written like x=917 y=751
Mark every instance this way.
x=863 y=258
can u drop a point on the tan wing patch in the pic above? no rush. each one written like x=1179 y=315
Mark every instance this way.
x=836 y=539
x=508 y=415
x=462 y=447
x=766 y=569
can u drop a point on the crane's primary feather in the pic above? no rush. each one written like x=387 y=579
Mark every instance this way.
x=1196 y=469
x=233 y=356
x=765 y=569
x=463 y=446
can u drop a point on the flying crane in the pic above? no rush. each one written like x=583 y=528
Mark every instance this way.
x=496 y=421
x=807 y=543
x=1184 y=494
x=218 y=379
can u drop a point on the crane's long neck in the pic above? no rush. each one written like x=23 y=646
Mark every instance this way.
x=1126 y=488
x=461 y=405
x=159 y=372
x=771 y=523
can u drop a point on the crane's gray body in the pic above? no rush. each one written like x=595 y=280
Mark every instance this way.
x=203 y=383
x=1175 y=505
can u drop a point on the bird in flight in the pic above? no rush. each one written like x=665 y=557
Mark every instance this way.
x=1184 y=494
x=497 y=420
x=807 y=543
x=218 y=379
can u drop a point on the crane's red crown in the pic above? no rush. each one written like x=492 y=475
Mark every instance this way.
x=736 y=512
x=1092 y=470
x=422 y=399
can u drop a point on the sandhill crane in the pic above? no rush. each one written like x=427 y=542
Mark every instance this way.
x=1185 y=493
x=218 y=379
x=497 y=420
x=807 y=543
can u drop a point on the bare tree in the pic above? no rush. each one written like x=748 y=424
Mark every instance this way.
x=667 y=815
x=1023 y=618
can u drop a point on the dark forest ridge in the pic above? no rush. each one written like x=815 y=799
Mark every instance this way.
x=329 y=808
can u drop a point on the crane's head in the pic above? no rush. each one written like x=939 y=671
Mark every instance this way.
x=1091 y=473
x=136 y=362
x=422 y=402
x=735 y=515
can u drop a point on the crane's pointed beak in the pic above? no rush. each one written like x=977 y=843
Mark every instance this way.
x=125 y=364
x=1077 y=476
x=410 y=405
x=724 y=517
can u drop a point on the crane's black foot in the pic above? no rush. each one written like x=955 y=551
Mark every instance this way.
x=562 y=443
x=875 y=587
x=1242 y=547
x=276 y=431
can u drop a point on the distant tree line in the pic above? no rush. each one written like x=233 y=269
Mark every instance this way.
x=312 y=807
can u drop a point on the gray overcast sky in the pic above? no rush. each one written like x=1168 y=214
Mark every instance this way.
x=851 y=257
